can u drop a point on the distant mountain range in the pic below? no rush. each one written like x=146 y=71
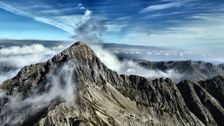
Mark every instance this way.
x=76 y=88
x=190 y=70
x=10 y=42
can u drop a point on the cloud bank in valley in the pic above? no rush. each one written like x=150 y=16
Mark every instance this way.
x=13 y=58
x=23 y=50
x=129 y=67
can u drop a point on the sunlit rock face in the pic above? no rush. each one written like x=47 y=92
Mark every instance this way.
x=76 y=88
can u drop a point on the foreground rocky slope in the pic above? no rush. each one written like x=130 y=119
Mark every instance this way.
x=75 y=88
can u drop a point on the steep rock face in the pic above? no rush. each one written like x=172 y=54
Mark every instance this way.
x=75 y=88
x=190 y=70
x=201 y=102
x=215 y=87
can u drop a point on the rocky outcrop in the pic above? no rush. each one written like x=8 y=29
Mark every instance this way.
x=75 y=88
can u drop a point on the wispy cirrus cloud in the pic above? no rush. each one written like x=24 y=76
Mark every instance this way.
x=49 y=15
x=68 y=17
x=12 y=9
x=163 y=6
x=203 y=32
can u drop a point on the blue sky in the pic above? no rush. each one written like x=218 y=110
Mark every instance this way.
x=13 y=26
x=190 y=24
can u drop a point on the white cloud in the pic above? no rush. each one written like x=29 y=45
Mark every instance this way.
x=25 y=49
x=88 y=13
x=80 y=5
x=115 y=27
x=161 y=6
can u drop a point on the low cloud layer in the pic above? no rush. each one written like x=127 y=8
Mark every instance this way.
x=13 y=58
x=22 y=50
x=129 y=67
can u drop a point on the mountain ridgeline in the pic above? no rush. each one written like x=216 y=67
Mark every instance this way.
x=190 y=70
x=75 y=88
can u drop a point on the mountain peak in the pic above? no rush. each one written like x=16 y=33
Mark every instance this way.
x=75 y=87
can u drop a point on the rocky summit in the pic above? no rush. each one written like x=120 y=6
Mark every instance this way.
x=75 y=88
